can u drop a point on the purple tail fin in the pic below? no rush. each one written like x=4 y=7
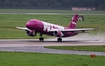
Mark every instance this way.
x=73 y=22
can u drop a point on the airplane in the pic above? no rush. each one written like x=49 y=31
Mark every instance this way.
x=35 y=26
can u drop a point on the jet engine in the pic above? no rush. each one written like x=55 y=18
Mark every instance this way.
x=31 y=33
x=58 y=34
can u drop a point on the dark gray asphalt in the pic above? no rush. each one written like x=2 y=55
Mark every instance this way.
x=32 y=45
x=41 y=49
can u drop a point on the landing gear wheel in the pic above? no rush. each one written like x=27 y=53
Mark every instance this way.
x=59 y=39
x=41 y=39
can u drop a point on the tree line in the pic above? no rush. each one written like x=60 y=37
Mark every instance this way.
x=52 y=4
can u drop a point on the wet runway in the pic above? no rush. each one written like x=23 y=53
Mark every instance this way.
x=48 y=42
x=34 y=45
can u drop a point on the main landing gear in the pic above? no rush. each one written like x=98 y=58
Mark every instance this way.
x=41 y=38
x=59 y=39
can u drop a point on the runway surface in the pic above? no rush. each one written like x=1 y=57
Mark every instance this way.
x=34 y=45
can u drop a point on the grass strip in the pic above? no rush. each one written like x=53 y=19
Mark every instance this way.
x=79 y=48
x=39 y=59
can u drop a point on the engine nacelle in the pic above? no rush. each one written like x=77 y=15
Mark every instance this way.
x=58 y=34
x=31 y=33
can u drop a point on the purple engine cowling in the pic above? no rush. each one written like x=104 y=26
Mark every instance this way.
x=58 y=34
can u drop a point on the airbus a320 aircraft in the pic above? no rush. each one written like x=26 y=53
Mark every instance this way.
x=35 y=26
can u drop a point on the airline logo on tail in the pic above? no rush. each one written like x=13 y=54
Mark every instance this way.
x=74 y=21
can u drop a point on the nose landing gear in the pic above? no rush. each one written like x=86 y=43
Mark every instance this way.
x=41 y=38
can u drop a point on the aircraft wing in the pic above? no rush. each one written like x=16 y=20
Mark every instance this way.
x=23 y=28
x=70 y=30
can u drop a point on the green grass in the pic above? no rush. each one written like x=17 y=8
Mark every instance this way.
x=38 y=59
x=79 y=48
x=8 y=22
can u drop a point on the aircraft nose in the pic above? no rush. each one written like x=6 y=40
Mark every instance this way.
x=28 y=25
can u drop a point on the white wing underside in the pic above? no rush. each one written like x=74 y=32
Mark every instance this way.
x=23 y=28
